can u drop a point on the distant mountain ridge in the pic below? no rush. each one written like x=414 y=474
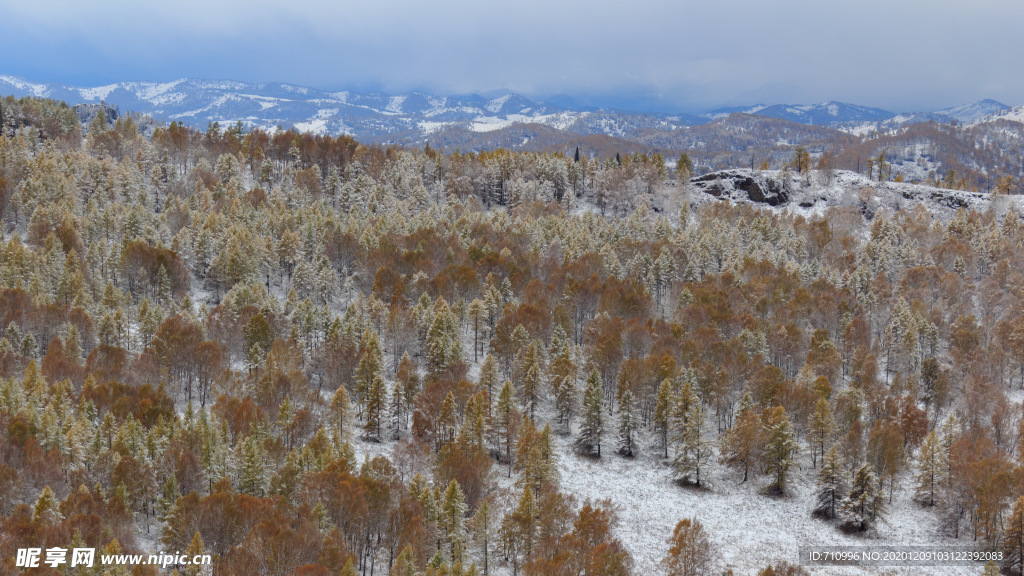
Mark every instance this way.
x=268 y=105
x=824 y=114
x=415 y=116
x=1015 y=114
x=974 y=111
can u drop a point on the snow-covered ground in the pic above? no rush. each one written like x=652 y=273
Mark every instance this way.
x=749 y=529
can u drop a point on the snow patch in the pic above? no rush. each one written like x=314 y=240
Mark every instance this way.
x=431 y=127
x=497 y=103
x=1011 y=114
x=974 y=111
x=491 y=123
x=395 y=105
x=37 y=90
x=317 y=124
x=216 y=103
x=98 y=93
x=153 y=90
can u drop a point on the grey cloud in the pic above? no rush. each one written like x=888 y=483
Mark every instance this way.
x=903 y=56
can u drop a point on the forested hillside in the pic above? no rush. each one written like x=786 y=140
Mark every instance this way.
x=308 y=356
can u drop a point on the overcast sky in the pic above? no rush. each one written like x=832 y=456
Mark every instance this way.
x=902 y=55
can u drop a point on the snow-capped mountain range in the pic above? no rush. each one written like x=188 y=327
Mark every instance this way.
x=974 y=111
x=818 y=114
x=404 y=117
x=268 y=105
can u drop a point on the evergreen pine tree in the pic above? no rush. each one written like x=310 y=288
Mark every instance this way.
x=692 y=449
x=341 y=409
x=452 y=521
x=489 y=375
x=482 y=528
x=407 y=381
x=114 y=548
x=562 y=372
x=520 y=337
x=474 y=428
x=447 y=422
x=369 y=367
x=442 y=343
x=195 y=548
x=405 y=563
x=822 y=425
x=627 y=424
x=831 y=484
x=376 y=402
x=865 y=502
x=47 y=508
x=476 y=312
x=437 y=565
x=742 y=444
x=519 y=530
x=559 y=342
x=684 y=168
x=781 y=447
x=1013 y=539
x=931 y=469
x=545 y=470
x=397 y=411
x=252 y=473
x=592 y=427
x=532 y=383
x=168 y=496
x=535 y=456
x=506 y=423
x=663 y=413
x=98 y=125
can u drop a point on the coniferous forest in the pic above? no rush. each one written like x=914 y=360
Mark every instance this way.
x=307 y=356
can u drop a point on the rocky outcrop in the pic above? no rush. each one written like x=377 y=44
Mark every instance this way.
x=743 y=185
x=87 y=112
x=815 y=193
x=146 y=125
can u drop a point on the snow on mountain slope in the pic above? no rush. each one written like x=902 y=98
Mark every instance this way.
x=20 y=87
x=830 y=112
x=411 y=117
x=1015 y=114
x=723 y=112
x=374 y=115
x=862 y=120
x=268 y=105
x=98 y=93
x=968 y=113
x=497 y=103
x=823 y=114
x=396 y=104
